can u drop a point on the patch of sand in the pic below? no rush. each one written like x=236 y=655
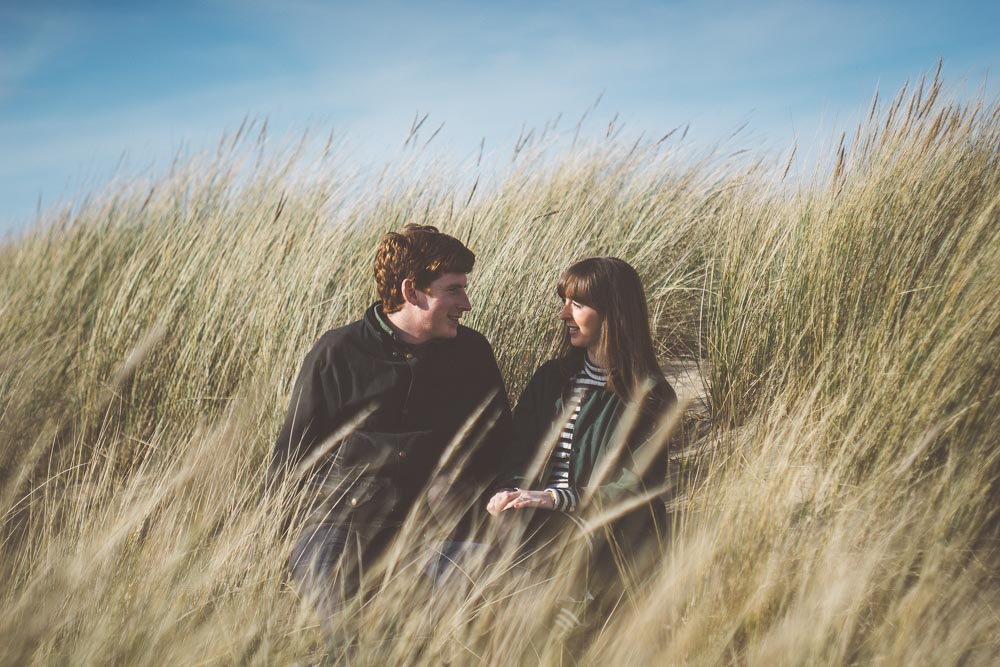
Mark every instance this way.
x=687 y=377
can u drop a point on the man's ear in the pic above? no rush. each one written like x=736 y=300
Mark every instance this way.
x=410 y=292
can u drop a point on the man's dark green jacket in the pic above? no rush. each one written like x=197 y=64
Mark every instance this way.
x=420 y=397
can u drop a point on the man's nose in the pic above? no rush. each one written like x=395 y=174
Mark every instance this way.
x=465 y=304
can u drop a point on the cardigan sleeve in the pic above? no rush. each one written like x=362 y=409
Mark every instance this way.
x=531 y=420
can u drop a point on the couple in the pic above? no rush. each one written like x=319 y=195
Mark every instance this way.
x=407 y=406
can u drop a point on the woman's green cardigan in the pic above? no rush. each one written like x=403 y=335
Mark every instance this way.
x=541 y=413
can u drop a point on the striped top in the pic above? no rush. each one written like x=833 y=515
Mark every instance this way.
x=566 y=497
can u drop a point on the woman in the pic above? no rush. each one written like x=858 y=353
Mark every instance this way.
x=607 y=363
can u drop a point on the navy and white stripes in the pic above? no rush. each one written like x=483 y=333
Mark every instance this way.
x=566 y=497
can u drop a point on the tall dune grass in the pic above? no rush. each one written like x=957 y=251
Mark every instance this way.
x=839 y=506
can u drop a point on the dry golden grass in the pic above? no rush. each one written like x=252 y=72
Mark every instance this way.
x=838 y=507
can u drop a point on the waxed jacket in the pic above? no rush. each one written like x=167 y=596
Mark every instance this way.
x=542 y=403
x=419 y=397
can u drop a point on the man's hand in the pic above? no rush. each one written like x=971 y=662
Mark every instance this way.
x=519 y=499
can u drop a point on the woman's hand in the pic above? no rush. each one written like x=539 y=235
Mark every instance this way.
x=519 y=499
x=540 y=499
x=501 y=500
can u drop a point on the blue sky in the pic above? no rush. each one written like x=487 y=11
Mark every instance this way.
x=84 y=84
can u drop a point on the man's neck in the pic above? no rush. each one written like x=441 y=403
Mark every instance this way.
x=403 y=329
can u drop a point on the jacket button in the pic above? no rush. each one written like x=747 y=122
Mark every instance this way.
x=354 y=502
x=409 y=355
x=402 y=455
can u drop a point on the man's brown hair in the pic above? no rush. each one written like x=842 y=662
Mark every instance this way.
x=420 y=253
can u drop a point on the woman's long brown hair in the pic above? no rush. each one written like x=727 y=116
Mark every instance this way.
x=613 y=288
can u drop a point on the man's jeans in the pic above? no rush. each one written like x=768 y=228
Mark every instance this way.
x=328 y=560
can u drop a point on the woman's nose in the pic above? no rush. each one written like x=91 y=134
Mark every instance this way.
x=565 y=313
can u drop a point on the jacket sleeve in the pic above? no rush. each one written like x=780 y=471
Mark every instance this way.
x=627 y=480
x=493 y=442
x=310 y=416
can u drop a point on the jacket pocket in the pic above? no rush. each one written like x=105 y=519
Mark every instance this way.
x=365 y=499
x=373 y=451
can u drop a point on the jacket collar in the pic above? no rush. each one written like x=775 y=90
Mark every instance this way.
x=382 y=322
x=378 y=326
x=377 y=322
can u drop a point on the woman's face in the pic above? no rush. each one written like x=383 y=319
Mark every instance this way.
x=583 y=324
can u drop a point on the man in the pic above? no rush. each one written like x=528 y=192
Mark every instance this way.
x=378 y=403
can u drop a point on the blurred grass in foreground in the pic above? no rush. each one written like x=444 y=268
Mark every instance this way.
x=838 y=507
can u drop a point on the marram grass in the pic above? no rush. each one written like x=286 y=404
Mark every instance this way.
x=837 y=506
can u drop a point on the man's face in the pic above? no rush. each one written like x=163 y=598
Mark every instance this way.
x=442 y=305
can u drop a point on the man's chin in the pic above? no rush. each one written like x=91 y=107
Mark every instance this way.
x=451 y=330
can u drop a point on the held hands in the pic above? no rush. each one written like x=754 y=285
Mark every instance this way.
x=518 y=499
